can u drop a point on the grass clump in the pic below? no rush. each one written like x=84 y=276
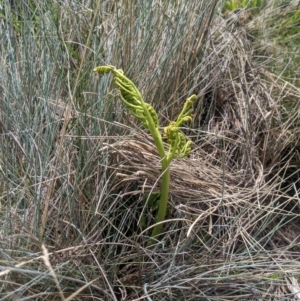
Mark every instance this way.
x=75 y=168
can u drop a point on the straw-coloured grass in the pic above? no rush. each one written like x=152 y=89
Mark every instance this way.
x=76 y=171
x=228 y=196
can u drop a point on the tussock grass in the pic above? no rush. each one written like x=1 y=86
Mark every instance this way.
x=76 y=170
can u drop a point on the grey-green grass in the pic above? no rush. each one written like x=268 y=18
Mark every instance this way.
x=245 y=244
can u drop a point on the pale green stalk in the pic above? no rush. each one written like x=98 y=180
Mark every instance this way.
x=179 y=147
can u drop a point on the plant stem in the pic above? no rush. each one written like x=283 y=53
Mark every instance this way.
x=165 y=182
x=163 y=202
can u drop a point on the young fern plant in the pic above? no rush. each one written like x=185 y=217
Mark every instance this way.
x=179 y=145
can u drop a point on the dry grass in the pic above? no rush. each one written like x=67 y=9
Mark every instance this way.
x=233 y=217
x=232 y=230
